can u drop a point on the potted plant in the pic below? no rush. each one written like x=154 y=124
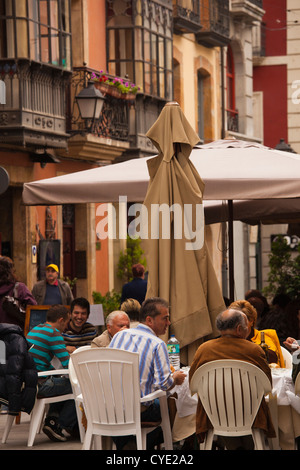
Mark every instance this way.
x=115 y=86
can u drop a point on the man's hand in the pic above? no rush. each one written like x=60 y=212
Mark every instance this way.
x=291 y=344
x=179 y=377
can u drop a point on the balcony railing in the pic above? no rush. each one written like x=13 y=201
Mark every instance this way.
x=214 y=16
x=35 y=109
x=114 y=119
x=247 y=10
x=258 y=3
x=186 y=16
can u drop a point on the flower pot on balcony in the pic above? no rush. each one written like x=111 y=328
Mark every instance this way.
x=104 y=88
x=113 y=91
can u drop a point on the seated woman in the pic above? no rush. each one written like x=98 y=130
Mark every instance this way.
x=271 y=338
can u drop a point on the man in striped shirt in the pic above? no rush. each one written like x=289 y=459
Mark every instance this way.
x=47 y=343
x=79 y=331
x=154 y=366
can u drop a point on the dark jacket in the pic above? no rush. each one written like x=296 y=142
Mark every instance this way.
x=18 y=375
x=135 y=289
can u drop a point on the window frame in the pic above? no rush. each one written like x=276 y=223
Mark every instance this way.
x=32 y=34
x=158 y=84
x=230 y=81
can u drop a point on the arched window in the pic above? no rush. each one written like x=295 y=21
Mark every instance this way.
x=232 y=113
x=205 y=126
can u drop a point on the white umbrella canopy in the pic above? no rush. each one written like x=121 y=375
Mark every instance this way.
x=230 y=170
x=245 y=174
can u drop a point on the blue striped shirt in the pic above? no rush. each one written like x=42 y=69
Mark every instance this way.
x=154 y=366
x=47 y=342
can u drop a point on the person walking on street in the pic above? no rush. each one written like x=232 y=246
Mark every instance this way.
x=137 y=288
x=52 y=291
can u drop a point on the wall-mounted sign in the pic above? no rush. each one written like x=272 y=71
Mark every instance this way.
x=34 y=254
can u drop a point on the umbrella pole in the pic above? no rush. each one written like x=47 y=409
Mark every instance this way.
x=230 y=255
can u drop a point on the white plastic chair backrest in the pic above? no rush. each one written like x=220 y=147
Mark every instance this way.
x=288 y=358
x=110 y=385
x=231 y=392
x=72 y=375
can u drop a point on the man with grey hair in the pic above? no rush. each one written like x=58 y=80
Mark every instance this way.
x=115 y=321
x=234 y=321
x=232 y=344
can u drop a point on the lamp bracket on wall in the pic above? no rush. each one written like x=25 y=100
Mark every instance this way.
x=43 y=157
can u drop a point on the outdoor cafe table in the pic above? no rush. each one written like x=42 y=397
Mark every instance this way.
x=288 y=408
x=286 y=416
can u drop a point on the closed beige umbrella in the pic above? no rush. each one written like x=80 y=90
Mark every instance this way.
x=184 y=277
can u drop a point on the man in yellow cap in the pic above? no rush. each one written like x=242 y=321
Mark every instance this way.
x=52 y=291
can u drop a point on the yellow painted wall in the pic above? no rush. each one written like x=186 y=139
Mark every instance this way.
x=192 y=57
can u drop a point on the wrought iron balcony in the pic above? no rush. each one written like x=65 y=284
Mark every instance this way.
x=214 y=16
x=34 y=113
x=186 y=16
x=114 y=120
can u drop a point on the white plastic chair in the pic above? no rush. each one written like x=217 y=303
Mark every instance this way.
x=231 y=392
x=297 y=385
x=38 y=410
x=110 y=386
x=77 y=394
x=287 y=357
x=7 y=428
x=40 y=406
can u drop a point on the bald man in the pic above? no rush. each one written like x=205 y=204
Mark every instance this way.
x=232 y=344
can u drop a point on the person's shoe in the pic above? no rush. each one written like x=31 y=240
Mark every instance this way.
x=53 y=430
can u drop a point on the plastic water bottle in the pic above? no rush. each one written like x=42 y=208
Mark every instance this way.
x=174 y=352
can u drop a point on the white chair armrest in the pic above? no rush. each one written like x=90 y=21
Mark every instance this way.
x=53 y=372
x=153 y=395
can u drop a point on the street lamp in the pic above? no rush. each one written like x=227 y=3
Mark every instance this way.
x=282 y=145
x=90 y=102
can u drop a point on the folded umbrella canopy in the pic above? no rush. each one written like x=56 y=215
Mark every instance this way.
x=179 y=264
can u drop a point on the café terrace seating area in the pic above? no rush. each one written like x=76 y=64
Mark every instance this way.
x=230 y=390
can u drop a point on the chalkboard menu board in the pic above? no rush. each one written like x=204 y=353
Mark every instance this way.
x=35 y=315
